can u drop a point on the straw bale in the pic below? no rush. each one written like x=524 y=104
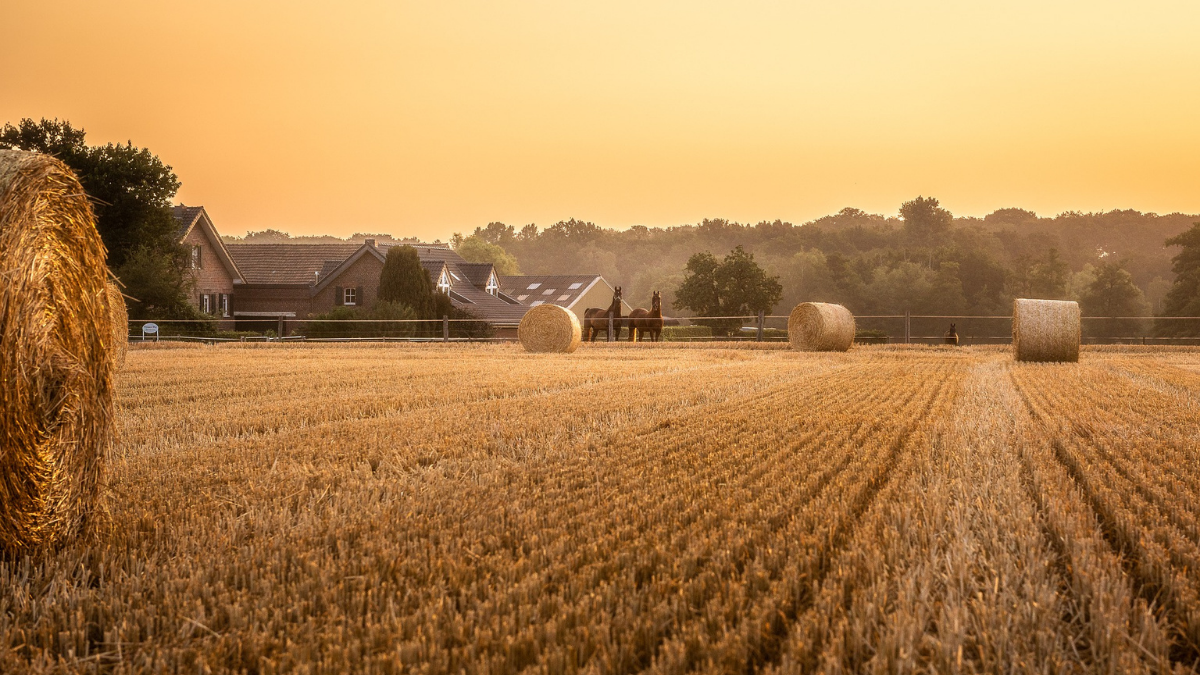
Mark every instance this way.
x=821 y=327
x=119 y=316
x=1045 y=330
x=55 y=356
x=549 y=328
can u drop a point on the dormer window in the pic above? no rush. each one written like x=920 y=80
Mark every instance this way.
x=492 y=287
x=443 y=283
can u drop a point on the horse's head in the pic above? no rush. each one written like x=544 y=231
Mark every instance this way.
x=952 y=329
x=656 y=301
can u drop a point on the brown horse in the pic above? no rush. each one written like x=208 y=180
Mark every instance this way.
x=642 y=321
x=951 y=336
x=595 y=319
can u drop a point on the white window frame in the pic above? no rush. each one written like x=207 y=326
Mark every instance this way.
x=224 y=302
x=533 y=287
x=443 y=283
x=575 y=286
x=196 y=260
x=205 y=303
x=350 y=296
x=492 y=286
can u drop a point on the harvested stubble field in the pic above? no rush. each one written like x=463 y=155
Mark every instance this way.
x=477 y=509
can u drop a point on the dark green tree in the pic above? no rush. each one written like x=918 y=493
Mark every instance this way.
x=496 y=233
x=131 y=190
x=925 y=221
x=736 y=286
x=698 y=291
x=404 y=281
x=744 y=286
x=1113 y=294
x=1048 y=278
x=1184 y=297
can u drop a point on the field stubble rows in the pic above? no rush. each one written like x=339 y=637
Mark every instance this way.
x=477 y=509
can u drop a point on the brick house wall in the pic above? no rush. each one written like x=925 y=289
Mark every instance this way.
x=210 y=278
x=363 y=275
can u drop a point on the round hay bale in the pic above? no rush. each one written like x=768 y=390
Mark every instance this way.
x=55 y=355
x=119 y=316
x=1045 y=330
x=549 y=328
x=821 y=327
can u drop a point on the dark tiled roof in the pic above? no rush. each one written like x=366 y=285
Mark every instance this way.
x=288 y=263
x=434 y=267
x=554 y=289
x=476 y=273
x=485 y=306
x=185 y=216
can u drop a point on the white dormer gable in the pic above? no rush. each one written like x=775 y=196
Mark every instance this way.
x=493 y=285
x=443 y=282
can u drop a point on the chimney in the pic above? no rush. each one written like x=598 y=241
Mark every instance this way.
x=371 y=243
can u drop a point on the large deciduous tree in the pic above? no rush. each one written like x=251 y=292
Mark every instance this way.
x=131 y=190
x=735 y=286
x=1184 y=297
x=925 y=220
x=1112 y=293
x=477 y=249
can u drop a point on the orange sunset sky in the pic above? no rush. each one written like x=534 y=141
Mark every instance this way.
x=433 y=117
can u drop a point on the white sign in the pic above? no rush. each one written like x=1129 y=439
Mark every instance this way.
x=151 y=328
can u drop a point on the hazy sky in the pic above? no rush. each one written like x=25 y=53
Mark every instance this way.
x=433 y=117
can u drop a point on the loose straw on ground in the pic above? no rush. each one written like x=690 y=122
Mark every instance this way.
x=1045 y=330
x=821 y=327
x=56 y=354
x=549 y=328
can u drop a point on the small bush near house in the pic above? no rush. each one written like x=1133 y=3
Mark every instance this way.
x=360 y=322
x=686 y=332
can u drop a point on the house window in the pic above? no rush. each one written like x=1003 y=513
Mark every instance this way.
x=521 y=298
x=443 y=283
x=531 y=287
x=492 y=286
x=349 y=296
x=564 y=297
x=224 y=304
x=535 y=303
x=549 y=291
x=197 y=263
x=206 y=303
x=575 y=286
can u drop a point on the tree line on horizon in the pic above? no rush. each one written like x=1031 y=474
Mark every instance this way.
x=923 y=261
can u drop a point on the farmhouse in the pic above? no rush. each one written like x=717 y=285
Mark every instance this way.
x=258 y=286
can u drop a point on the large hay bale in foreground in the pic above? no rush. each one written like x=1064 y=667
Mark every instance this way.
x=1045 y=330
x=821 y=327
x=549 y=328
x=55 y=355
x=119 y=315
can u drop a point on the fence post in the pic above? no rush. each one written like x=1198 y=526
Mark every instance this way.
x=279 y=325
x=907 y=327
x=445 y=328
x=610 y=327
x=761 y=321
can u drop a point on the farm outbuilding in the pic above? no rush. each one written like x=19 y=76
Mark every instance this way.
x=575 y=292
